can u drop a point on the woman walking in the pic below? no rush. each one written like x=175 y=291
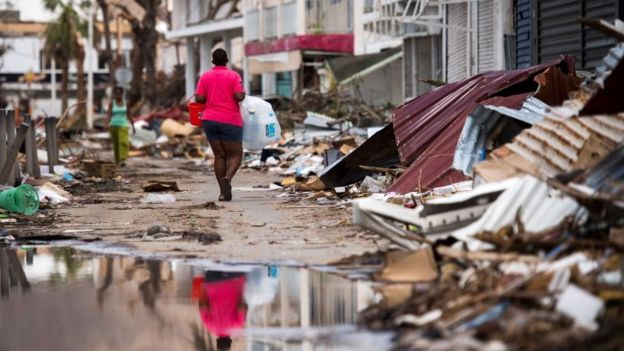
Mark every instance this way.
x=220 y=90
x=118 y=118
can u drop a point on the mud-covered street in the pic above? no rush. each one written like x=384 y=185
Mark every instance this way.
x=257 y=226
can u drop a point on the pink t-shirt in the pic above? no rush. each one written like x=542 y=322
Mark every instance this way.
x=218 y=86
x=224 y=313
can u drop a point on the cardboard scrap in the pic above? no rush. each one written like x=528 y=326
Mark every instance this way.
x=156 y=186
x=289 y=181
x=346 y=149
x=312 y=184
x=172 y=128
x=410 y=267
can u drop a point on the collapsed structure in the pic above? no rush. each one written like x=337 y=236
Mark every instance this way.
x=538 y=230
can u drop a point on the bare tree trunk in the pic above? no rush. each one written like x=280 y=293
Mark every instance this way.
x=82 y=91
x=64 y=85
x=108 y=51
x=150 y=43
x=135 y=93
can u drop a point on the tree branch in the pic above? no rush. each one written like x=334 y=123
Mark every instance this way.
x=125 y=14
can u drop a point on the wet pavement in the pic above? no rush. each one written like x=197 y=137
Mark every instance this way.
x=62 y=298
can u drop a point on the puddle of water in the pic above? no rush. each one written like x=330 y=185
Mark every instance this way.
x=60 y=298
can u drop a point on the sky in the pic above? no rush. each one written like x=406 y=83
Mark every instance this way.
x=30 y=10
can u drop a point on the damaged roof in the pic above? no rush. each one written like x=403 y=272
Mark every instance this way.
x=428 y=127
x=348 y=66
x=560 y=145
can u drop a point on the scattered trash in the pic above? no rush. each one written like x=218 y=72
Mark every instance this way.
x=580 y=305
x=23 y=199
x=211 y=205
x=371 y=185
x=202 y=238
x=68 y=177
x=409 y=267
x=157 y=186
x=172 y=128
x=100 y=169
x=52 y=194
x=152 y=198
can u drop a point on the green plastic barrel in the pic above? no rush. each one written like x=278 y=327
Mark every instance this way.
x=23 y=199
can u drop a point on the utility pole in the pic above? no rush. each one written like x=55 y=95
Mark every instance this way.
x=54 y=110
x=90 y=69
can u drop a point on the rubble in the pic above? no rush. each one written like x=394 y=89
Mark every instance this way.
x=529 y=252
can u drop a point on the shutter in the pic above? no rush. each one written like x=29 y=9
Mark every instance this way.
x=523 y=33
x=457 y=42
x=595 y=44
x=409 y=63
x=485 y=35
x=558 y=32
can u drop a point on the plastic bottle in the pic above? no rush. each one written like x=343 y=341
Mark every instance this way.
x=261 y=126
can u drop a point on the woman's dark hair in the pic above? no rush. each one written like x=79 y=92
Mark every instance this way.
x=219 y=57
x=118 y=90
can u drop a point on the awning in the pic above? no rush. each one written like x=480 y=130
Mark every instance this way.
x=276 y=62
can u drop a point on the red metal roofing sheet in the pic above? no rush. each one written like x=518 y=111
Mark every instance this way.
x=428 y=127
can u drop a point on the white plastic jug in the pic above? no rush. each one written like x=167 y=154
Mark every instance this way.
x=261 y=126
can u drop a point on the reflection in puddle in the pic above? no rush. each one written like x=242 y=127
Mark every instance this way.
x=57 y=298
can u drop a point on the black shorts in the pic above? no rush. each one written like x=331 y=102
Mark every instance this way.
x=222 y=131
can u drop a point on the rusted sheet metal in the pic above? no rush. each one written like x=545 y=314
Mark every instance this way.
x=428 y=127
x=561 y=145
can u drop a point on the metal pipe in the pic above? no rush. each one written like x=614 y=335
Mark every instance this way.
x=50 y=126
x=3 y=137
x=34 y=155
x=18 y=140
x=4 y=273
x=53 y=85
x=55 y=138
x=30 y=167
x=10 y=123
x=90 y=68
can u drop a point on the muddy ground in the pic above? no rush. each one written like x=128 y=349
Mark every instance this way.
x=258 y=225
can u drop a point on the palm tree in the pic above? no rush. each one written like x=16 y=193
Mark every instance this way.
x=63 y=42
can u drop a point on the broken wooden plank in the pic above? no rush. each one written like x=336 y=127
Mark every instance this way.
x=486 y=256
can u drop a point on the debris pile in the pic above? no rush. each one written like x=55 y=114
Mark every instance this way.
x=530 y=252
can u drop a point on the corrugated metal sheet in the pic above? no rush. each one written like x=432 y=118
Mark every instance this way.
x=523 y=33
x=427 y=128
x=457 y=43
x=473 y=139
x=481 y=121
x=555 y=144
x=533 y=110
x=539 y=207
x=608 y=175
x=485 y=37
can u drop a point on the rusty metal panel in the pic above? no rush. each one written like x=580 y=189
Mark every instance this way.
x=428 y=127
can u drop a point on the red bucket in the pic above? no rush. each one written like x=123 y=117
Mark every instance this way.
x=195 y=110
x=196 y=290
